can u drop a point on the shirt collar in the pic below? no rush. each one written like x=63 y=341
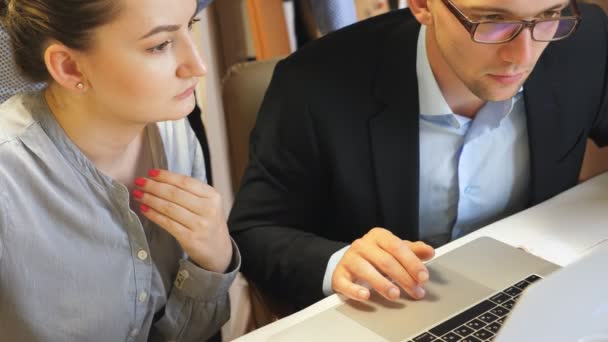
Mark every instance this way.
x=431 y=99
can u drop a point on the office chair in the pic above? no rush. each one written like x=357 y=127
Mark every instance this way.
x=243 y=89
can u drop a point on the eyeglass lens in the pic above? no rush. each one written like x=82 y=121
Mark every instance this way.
x=543 y=31
x=549 y=30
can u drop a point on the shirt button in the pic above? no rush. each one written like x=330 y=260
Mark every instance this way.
x=143 y=296
x=469 y=190
x=181 y=278
x=142 y=255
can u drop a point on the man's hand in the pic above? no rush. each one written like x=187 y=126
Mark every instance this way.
x=191 y=211
x=378 y=255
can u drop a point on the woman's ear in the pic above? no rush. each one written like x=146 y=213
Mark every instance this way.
x=420 y=10
x=61 y=63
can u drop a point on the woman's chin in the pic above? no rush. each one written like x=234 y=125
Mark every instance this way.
x=181 y=111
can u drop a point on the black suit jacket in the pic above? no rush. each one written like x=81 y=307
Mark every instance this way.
x=335 y=150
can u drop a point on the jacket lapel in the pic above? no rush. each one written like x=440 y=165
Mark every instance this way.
x=394 y=133
x=544 y=128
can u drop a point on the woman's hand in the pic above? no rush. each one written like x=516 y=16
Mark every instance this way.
x=191 y=211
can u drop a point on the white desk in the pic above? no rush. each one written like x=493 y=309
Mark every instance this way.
x=560 y=230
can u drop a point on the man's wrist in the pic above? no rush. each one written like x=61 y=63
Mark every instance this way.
x=329 y=270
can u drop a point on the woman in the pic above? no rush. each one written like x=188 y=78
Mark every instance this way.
x=108 y=231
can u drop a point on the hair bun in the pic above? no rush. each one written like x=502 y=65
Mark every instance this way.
x=3 y=7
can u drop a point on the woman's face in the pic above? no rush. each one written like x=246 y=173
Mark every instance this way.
x=144 y=65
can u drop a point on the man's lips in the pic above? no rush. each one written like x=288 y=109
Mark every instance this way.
x=507 y=78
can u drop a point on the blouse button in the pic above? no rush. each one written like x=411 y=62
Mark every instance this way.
x=142 y=255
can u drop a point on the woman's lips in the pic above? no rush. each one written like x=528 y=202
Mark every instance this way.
x=186 y=94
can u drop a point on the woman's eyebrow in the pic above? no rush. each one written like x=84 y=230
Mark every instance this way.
x=165 y=28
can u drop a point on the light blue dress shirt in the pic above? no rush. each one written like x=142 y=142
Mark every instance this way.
x=472 y=171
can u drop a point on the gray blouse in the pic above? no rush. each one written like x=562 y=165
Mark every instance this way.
x=76 y=263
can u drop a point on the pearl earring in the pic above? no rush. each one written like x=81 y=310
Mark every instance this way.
x=80 y=85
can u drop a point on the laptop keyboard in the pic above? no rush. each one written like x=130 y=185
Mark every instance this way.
x=480 y=322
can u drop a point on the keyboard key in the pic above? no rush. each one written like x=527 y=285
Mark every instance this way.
x=463 y=331
x=533 y=278
x=512 y=291
x=451 y=337
x=493 y=327
x=509 y=304
x=516 y=298
x=500 y=298
x=476 y=324
x=462 y=318
x=500 y=311
x=426 y=337
x=501 y=320
x=522 y=285
x=470 y=339
x=488 y=317
x=483 y=334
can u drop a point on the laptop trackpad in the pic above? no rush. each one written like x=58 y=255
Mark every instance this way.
x=447 y=294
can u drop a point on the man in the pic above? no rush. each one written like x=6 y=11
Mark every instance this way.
x=388 y=132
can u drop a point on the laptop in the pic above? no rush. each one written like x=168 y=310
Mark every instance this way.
x=570 y=305
x=472 y=291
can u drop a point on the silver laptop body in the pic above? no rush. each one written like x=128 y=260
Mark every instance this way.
x=571 y=305
x=459 y=281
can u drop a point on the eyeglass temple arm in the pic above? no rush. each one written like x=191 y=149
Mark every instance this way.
x=460 y=16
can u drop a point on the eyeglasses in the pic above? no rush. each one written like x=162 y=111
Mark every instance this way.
x=504 y=31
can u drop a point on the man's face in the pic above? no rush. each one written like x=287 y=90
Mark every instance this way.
x=492 y=72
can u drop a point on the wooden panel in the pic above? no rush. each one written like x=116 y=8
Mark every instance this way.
x=269 y=28
x=595 y=161
x=234 y=30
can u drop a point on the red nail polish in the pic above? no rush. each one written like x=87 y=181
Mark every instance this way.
x=138 y=193
x=140 y=182
x=153 y=173
x=144 y=208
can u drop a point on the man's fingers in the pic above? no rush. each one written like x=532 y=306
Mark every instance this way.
x=388 y=264
x=343 y=283
x=409 y=261
x=422 y=250
x=379 y=258
x=362 y=269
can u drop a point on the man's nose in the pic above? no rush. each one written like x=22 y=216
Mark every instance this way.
x=520 y=50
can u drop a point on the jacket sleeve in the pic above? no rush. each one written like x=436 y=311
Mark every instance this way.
x=599 y=132
x=282 y=204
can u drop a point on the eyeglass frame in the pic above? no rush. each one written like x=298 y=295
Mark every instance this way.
x=471 y=25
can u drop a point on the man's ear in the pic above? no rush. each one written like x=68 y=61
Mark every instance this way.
x=420 y=10
x=61 y=63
